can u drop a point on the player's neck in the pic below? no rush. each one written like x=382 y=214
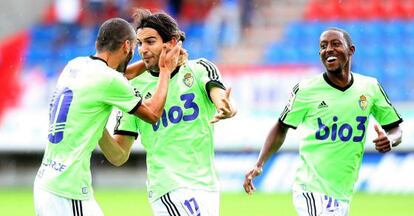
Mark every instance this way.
x=109 y=58
x=341 y=79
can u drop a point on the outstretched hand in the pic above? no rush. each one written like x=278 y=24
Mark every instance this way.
x=248 y=180
x=169 y=58
x=382 y=143
x=226 y=110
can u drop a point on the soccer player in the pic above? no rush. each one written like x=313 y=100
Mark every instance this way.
x=333 y=109
x=86 y=91
x=182 y=179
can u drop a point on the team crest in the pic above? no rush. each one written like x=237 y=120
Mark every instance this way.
x=363 y=103
x=188 y=79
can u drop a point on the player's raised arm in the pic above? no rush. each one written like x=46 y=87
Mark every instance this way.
x=272 y=144
x=221 y=99
x=135 y=69
x=151 y=110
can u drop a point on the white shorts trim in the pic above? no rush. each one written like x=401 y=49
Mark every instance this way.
x=49 y=204
x=317 y=204
x=187 y=202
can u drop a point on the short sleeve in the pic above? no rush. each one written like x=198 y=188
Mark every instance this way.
x=208 y=75
x=295 y=110
x=126 y=124
x=383 y=111
x=122 y=95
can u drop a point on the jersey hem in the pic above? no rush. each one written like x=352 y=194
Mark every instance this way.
x=64 y=195
x=211 y=189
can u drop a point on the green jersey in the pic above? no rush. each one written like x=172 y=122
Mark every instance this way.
x=179 y=147
x=334 y=124
x=85 y=93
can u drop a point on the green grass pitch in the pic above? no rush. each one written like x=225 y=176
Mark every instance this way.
x=127 y=202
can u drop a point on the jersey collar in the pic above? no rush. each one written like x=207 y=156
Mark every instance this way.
x=325 y=77
x=97 y=58
x=157 y=74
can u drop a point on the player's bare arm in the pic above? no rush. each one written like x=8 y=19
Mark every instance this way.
x=385 y=141
x=116 y=149
x=135 y=69
x=272 y=144
x=222 y=100
x=151 y=110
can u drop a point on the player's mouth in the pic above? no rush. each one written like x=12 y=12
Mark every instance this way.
x=331 y=59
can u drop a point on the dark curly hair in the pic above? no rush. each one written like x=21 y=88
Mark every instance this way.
x=163 y=23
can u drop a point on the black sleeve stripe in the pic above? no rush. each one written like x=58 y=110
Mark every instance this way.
x=384 y=94
x=135 y=107
x=286 y=110
x=284 y=113
x=127 y=133
x=388 y=100
x=388 y=127
x=287 y=125
x=211 y=69
x=215 y=73
x=295 y=88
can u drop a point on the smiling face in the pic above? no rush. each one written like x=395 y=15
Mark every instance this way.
x=149 y=47
x=334 y=51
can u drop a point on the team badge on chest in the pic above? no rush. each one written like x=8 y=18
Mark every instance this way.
x=363 y=103
x=188 y=79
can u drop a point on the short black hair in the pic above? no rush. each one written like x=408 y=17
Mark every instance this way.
x=113 y=33
x=345 y=33
x=163 y=23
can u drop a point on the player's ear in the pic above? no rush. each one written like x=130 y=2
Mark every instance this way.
x=172 y=42
x=352 y=50
x=126 y=47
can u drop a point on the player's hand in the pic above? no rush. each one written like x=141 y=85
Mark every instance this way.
x=382 y=143
x=226 y=110
x=169 y=58
x=248 y=180
x=183 y=56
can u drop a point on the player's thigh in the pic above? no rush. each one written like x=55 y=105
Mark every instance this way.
x=316 y=204
x=187 y=202
x=49 y=204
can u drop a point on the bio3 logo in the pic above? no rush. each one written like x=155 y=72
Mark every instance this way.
x=175 y=114
x=344 y=131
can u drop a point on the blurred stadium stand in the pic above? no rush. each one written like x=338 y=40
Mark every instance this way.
x=277 y=45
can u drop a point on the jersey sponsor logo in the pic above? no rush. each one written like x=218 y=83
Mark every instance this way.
x=176 y=114
x=188 y=79
x=363 y=103
x=345 y=131
x=322 y=105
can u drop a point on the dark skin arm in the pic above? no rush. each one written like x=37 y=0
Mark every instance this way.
x=385 y=141
x=273 y=142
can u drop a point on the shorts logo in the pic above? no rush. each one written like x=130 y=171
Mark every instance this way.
x=84 y=190
x=363 y=103
x=188 y=79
